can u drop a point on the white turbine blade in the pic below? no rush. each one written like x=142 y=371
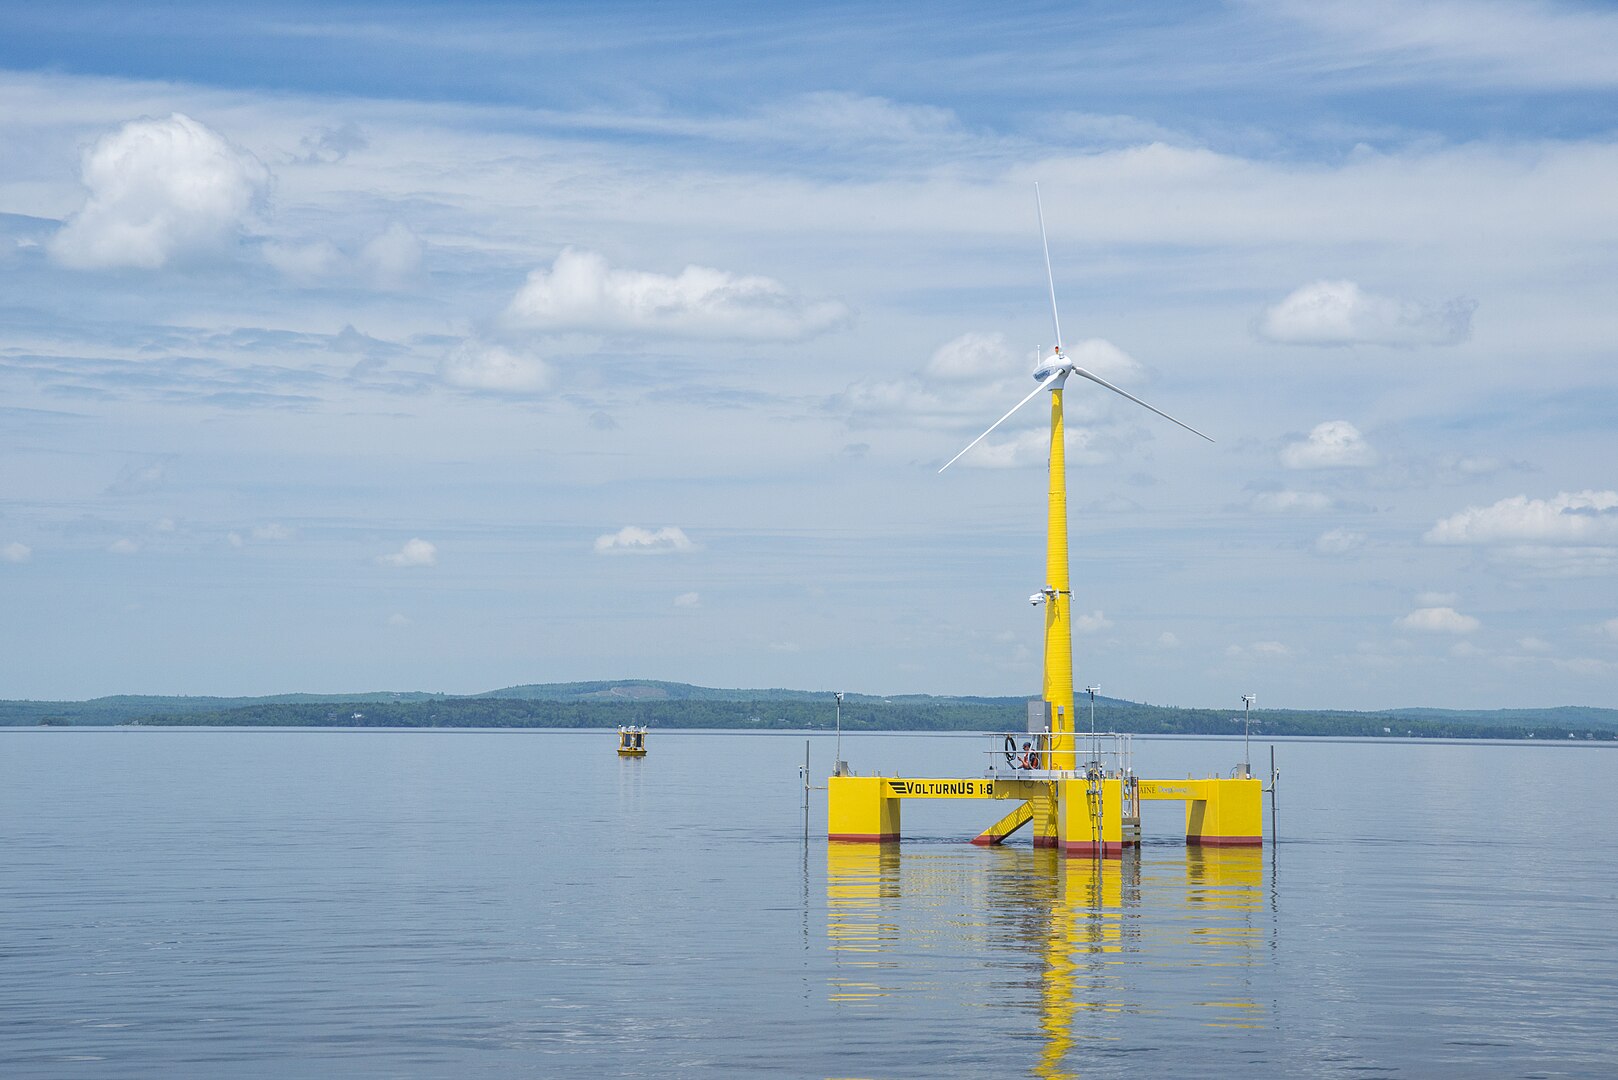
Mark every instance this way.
x=1056 y=321
x=1099 y=381
x=1052 y=377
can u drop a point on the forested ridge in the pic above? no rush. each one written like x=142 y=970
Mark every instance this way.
x=677 y=705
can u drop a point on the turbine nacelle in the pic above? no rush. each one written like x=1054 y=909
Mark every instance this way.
x=1056 y=363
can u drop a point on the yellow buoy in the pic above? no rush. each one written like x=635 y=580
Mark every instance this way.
x=631 y=742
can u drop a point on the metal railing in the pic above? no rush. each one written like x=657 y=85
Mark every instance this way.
x=1028 y=754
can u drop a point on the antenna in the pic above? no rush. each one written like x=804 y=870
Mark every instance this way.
x=1050 y=277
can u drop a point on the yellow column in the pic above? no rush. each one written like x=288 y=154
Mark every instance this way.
x=1227 y=813
x=1091 y=816
x=861 y=808
x=1058 y=608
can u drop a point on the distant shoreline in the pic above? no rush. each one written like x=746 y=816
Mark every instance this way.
x=680 y=706
x=1564 y=742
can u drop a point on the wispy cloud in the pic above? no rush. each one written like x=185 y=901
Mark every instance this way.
x=1092 y=623
x=1291 y=502
x=1341 y=313
x=478 y=365
x=1338 y=541
x=1259 y=650
x=1508 y=42
x=16 y=552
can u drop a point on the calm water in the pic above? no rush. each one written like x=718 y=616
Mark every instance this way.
x=324 y=903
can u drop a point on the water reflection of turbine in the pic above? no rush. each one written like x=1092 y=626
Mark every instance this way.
x=1078 y=928
x=1224 y=889
x=860 y=879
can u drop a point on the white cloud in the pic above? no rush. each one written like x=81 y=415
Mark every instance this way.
x=1579 y=517
x=1089 y=624
x=974 y=356
x=784 y=646
x=1338 y=541
x=399 y=619
x=475 y=365
x=416 y=552
x=1340 y=313
x=123 y=546
x=1464 y=650
x=1103 y=358
x=1285 y=502
x=582 y=292
x=1437 y=620
x=1610 y=628
x=1335 y=444
x=16 y=553
x=688 y=600
x=1168 y=640
x=1534 y=645
x=159 y=190
x=634 y=540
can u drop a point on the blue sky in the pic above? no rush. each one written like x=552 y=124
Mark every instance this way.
x=448 y=347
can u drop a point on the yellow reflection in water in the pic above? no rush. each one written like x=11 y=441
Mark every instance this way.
x=859 y=877
x=1098 y=932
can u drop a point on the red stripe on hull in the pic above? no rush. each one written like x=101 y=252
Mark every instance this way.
x=1046 y=841
x=1091 y=849
x=1225 y=841
x=863 y=838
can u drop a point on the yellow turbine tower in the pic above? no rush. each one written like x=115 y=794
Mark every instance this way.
x=1057 y=595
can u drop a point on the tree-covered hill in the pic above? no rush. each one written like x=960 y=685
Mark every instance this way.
x=678 y=705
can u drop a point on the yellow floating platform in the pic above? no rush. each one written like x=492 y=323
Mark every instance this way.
x=1079 y=814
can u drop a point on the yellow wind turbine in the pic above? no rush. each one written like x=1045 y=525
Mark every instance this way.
x=1057 y=595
